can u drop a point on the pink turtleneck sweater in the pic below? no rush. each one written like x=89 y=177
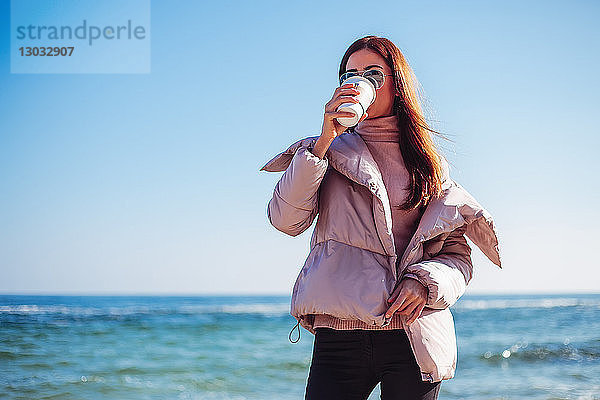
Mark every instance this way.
x=382 y=137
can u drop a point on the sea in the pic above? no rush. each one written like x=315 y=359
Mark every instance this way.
x=238 y=347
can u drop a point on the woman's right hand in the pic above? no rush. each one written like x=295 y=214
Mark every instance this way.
x=342 y=94
x=331 y=127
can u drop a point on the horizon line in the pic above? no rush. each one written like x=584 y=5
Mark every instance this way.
x=177 y=294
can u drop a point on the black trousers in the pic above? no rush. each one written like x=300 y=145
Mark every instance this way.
x=348 y=364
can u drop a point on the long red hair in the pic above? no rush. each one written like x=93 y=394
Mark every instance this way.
x=419 y=152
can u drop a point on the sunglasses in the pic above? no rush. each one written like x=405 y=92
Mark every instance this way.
x=376 y=76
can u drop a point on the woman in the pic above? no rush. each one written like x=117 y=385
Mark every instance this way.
x=388 y=255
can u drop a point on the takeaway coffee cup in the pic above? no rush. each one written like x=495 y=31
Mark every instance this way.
x=365 y=99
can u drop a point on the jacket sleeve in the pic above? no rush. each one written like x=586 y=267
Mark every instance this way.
x=294 y=204
x=446 y=275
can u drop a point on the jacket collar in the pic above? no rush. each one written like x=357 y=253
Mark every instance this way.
x=349 y=155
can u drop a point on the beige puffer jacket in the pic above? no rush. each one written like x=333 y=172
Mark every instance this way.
x=352 y=268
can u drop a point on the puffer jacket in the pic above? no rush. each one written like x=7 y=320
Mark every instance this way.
x=352 y=268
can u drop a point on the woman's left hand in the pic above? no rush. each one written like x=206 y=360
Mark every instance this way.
x=410 y=297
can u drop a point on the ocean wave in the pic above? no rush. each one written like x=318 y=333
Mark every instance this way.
x=469 y=304
x=275 y=309
x=525 y=352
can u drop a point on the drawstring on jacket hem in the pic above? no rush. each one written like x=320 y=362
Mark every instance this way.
x=290 y=335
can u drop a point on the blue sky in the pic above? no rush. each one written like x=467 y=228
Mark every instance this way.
x=150 y=183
